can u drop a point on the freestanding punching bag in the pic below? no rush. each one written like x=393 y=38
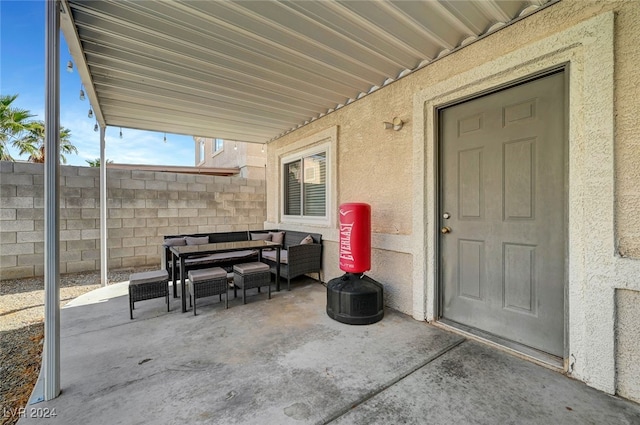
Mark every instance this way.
x=354 y=298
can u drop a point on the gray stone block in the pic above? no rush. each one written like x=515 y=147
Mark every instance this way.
x=90 y=213
x=81 y=266
x=134 y=222
x=91 y=254
x=77 y=181
x=82 y=224
x=146 y=194
x=198 y=221
x=168 y=195
x=119 y=233
x=188 y=212
x=188 y=195
x=80 y=245
x=222 y=179
x=197 y=187
x=132 y=184
x=90 y=192
x=155 y=185
x=118 y=174
x=145 y=213
x=66 y=256
x=28 y=168
x=156 y=203
x=134 y=203
x=18 y=249
x=121 y=213
x=113 y=183
x=177 y=186
x=8 y=261
x=143 y=232
x=114 y=203
x=70 y=213
x=6 y=167
x=16 y=272
x=114 y=223
x=186 y=178
x=80 y=203
x=7 y=238
x=203 y=179
x=22 y=237
x=90 y=234
x=121 y=252
x=68 y=170
x=157 y=222
x=70 y=235
x=89 y=172
x=168 y=212
x=70 y=192
x=17 y=226
x=146 y=250
x=114 y=243
x=167 y=177
x=7 y=191
x=134 y=261
x=7 y=214
x=30 y=259
x=142 y=175
x=22 y=202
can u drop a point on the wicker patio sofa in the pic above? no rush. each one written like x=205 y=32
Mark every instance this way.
x=301 y=254
x=302 y=259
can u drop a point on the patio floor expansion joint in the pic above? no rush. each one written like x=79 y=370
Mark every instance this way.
x=389 y=384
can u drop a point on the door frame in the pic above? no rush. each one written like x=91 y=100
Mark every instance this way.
x=595 y=271
x=438 y=184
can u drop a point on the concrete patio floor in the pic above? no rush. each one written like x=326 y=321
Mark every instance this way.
x=284 y=361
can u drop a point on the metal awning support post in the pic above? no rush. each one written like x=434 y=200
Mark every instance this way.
x=51 y=354
x=103 y=210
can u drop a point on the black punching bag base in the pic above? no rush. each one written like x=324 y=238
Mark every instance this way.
x=355 y=299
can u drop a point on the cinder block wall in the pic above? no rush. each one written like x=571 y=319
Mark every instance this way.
x=142 y=207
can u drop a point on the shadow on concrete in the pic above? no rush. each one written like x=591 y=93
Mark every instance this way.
x=284 y=361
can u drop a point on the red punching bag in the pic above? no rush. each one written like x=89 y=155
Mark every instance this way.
x=355 y=237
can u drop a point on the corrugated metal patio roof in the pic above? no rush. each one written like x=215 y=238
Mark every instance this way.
x=254 y=70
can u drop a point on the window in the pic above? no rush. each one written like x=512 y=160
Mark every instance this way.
x=305 y=185
x=217 y=145
x=200 y=158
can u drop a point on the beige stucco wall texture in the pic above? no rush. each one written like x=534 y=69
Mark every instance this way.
x=379 y=166
x=249 y=157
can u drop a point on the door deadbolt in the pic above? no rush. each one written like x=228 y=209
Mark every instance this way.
x=446 y=216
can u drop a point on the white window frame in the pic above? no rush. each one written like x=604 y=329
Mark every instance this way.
x=202 y=151
x=215 y=151
x=324 y=141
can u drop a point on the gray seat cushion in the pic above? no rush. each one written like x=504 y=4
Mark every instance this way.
x=148 y=277
x=248 y=268
x=207 y=274
x=271 y=255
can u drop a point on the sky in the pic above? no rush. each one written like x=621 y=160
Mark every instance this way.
x=22 y=72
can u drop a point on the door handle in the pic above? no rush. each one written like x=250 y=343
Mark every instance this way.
x=445 y=230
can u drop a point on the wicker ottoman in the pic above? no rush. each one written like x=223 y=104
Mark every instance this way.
x=148 y=285
x=251 y=275
x=208 y=282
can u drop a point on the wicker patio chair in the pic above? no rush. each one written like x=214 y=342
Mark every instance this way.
x=146 y=286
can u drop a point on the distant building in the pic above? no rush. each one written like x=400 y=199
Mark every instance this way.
x=250 y=158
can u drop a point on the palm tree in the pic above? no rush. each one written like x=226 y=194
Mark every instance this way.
x=32 y=143
x=13 y=122
x=96 y=162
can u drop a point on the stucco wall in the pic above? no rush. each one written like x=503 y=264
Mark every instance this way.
x=142 y=207
x=379 y=166
x=249 y=157
x=627 y=342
